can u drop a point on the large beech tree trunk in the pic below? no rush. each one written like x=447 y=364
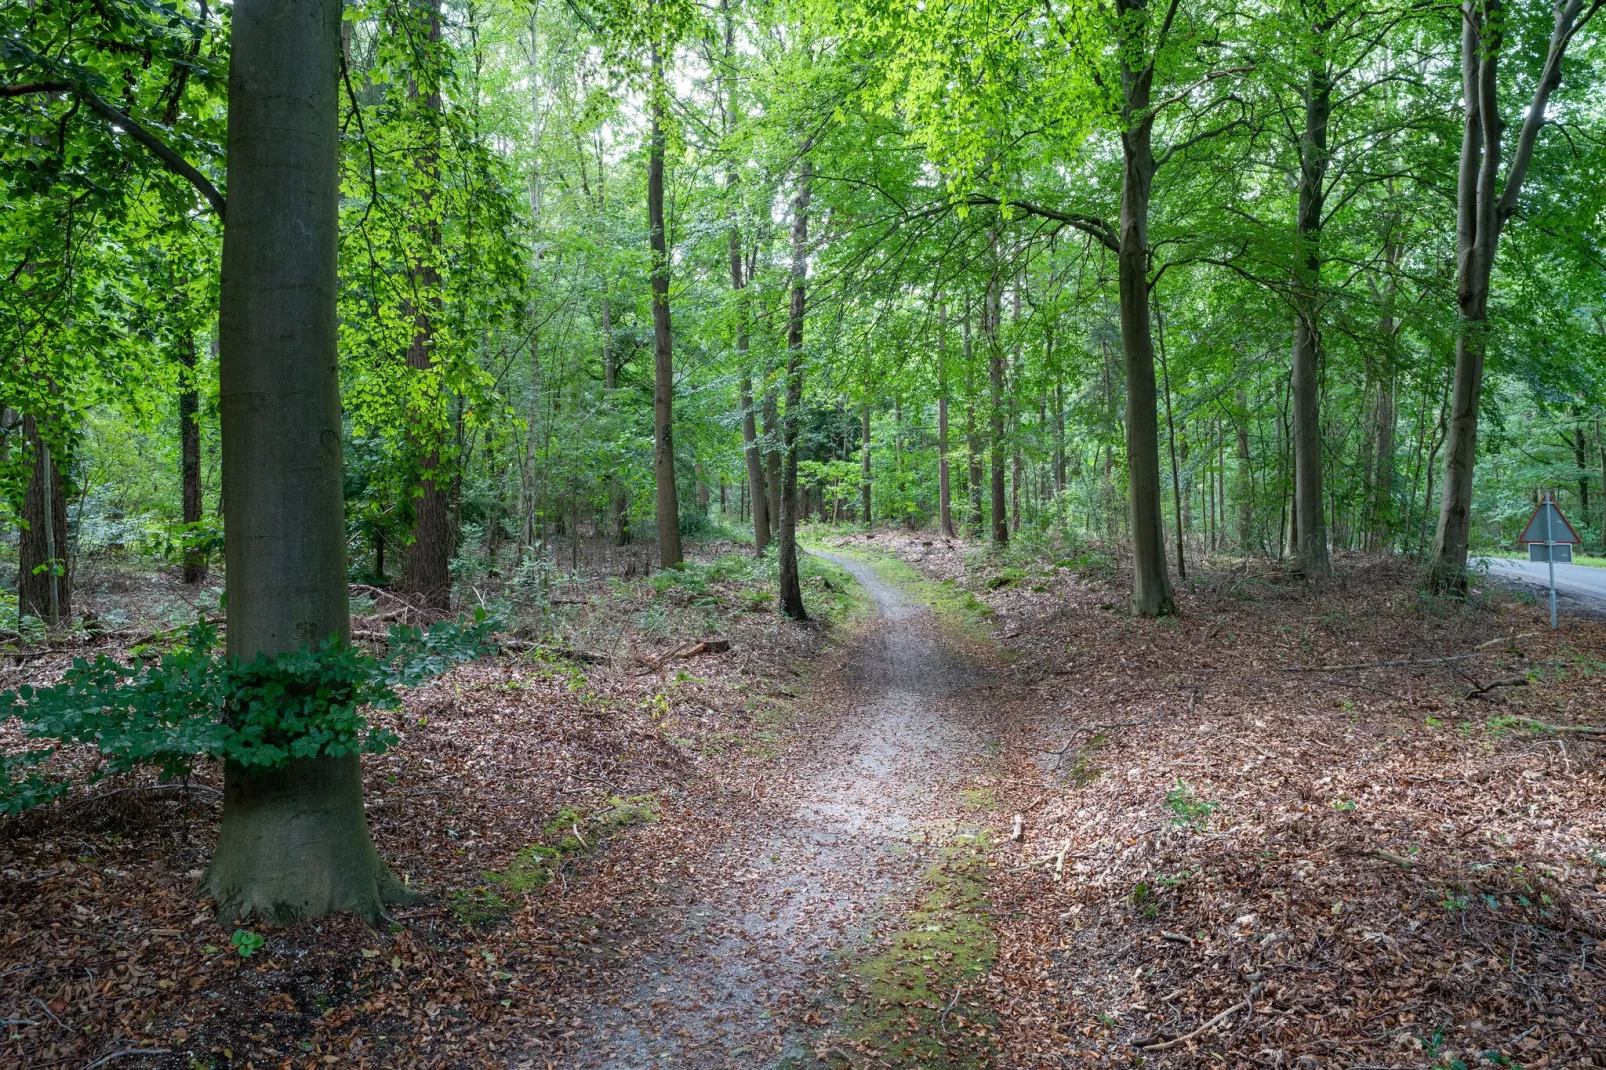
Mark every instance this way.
x=426 y=564
x=1483 y=206
x=786 y=540
x=44 y=582
x=1151 y=588
x=1310 y=521
x=663 y=366
x=293 y=842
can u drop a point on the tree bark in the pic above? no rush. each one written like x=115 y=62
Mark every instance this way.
x=620 y=493
x=294 y=841
x=864 y=489
x=44 y=580
x=668 y=505
x=945 y=515
x=750 y=447
x=426 y=563
x=992 y=320
x=1310 y=522
x=1245 y=474
x=786 y=542
x=772 y=459
x=189 y=440
x=1483 y=206
x=1151 y=589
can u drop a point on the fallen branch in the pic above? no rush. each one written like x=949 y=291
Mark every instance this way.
x=942 y=1019
x=104 y=1059
x=1247 y=1005
x=1409 y=661
x=1510 y=681
x=1390 y=856
x=1559 y=729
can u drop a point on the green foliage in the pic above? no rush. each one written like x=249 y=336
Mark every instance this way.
x=1188 y=809
x=195 y=703
x=246 y=942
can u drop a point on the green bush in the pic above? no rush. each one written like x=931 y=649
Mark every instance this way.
x=195 y=703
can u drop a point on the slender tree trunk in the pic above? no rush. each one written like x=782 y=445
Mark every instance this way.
x=750 y=446
x=1171 y=439
x=426 y=563
x=189 y=439
x=44 y=580
x=618 y=492
x=864 y=489
x=293 y=841
x=992 y=320
x=1151 y=590
x=1246 y=503
x=786 y=542
x=972 y=437
x=668 y=506
x=945 y=515
x=1306 y=372
x=772 y=458
x=1600 y=444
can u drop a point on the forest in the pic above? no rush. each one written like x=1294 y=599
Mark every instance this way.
x=497 y=479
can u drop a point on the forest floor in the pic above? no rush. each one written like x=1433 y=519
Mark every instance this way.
x=978 y=817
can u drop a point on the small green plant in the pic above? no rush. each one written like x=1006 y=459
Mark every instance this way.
x=246 y=942
x=1344 y=804
x=1188 y=808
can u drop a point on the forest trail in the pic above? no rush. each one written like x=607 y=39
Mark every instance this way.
x=766 y=929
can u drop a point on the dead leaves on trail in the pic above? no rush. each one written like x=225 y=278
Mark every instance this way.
x=1390 y=872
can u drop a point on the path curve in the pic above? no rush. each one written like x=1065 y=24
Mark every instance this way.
x=755 y=942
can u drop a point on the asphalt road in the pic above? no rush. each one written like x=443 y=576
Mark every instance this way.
x=1583 y=585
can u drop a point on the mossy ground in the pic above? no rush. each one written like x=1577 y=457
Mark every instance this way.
x=956 y=607
x=569 y=834
x=909 y=1001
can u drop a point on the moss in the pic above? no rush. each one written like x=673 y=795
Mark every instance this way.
x=905 y=1007
x=980 y=798
x=570 y=833
x=954 y=605
x=1079 y=769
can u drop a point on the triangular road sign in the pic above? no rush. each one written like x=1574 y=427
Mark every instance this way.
x=1560 y=530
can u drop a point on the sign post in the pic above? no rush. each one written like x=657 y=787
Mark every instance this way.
x=1548 y=534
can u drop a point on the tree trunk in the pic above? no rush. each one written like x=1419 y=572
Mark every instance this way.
x=1483 y=206
x=44 y=581
x=189 y=440
x=864 y=490
x=426 y=563
x=945 y=515
x=610 y=382
x=663 y=367
x=293 y=841
x=1246 y=504
x=1171 y=441
x=1309 y=520
x=786 y=542
x=992 y=320
x=772 y=459
x=972 y=438
x=750 y=448
x=1151 y=590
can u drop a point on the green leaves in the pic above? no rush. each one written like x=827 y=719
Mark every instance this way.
x=194 y=703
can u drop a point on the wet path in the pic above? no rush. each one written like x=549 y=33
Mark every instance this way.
x=754 y=944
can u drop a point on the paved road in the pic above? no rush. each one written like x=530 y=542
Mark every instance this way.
x=1584 y=585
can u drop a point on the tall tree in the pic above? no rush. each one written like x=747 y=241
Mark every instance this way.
x=294 y=841
x=663 y=360
x=786 y=541
x=1485 y=201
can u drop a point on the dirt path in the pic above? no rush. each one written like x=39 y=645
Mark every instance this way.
x=760 y=936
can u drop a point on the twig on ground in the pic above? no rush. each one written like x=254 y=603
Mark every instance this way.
x=1510 y=681
x=1248 y=1004
x=942 y=1019
x=1390 y=856
x=1408 y=661
x=104 y=1059
x=1587 y=730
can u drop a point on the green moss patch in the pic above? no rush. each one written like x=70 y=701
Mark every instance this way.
x=915 y=1002
x=569 y=834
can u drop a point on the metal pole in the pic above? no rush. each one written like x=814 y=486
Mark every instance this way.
x=1550 y=556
